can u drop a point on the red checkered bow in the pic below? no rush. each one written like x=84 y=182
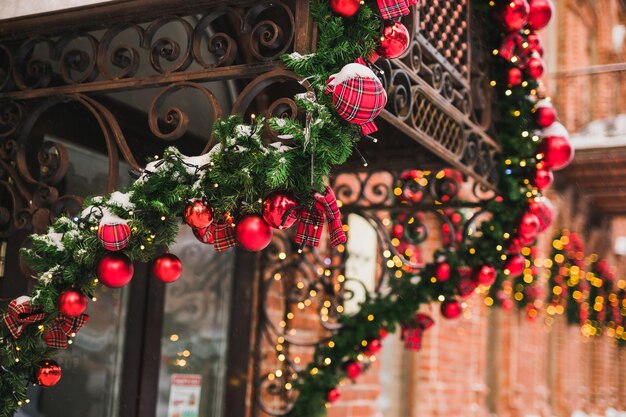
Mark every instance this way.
x=312 y=221
x=62 y=328
x=392 y=9
x=412 y=332
x=21 y=313
x=223 y=236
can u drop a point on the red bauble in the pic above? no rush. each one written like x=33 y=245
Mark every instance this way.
x=72 y=303
x=543 y=178
x=279 y=210
x=451 y=309
x=442 y=271
x=114 y=236
x=515 y=245
x=545 y=114
x=555 y=148
x=345 y=8
x=539 y=14
x=115 y=270
x=353 y=370
x=373 y=347
x=48 y=374
x=204 y=235
x=394 y=41
x=515 y=265
x=167 y=267
x=253 y=233
x=515 y=76
x=535 y=66
x=333 y=395
x=528 y=227
x=513 y=14
x=466 y=286
x=198 y=214
x=534 y=44
x=485 y=275
x=544 y=210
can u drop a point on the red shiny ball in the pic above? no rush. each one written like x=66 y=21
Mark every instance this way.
x=345 y=8
x=279 y=210
x=535 y=44
x=253 y=233
x=545 y=114
x=353 y=370
x=485 y=275
x=544 y=210
x=115 y=270
x=394 y=41
x=451 y=309
x=513 y=14
x=374 y=346
x=540 y=13
x=515 y=76
x=528 y=227
x=49 y=373
x=167 y=267
x=442 y=271
x=333 y=395
x=534 y=66
x=515 y=245
x=543 y=178
x=515 y=266
x=198 y=214
x=557 y=152
x=72 y=303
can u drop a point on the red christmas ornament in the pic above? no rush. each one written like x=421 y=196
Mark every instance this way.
x=442 y=271
x=114 y=236
x=345 y=8
x=253 y=233
x=534 y=66
x=543 y=178
x=534 y=44
x=198 y=214
x=279 y=210
x=353 y=370
x=72 y=303
x=48 y=374
x=545 y=114
x=373 y=347
x=466 y=286
x=515 y=245
x=528 y=227
x=515 y=76
x=333 y=395
x=513 y=14
x=539 y=14
x=204 y=235
x=115 y=270
x=167 y=267
x=358 y=95
x=555 y=148
x=485 y=275
x=394 y=41
x=544 y=210
x=451 y=309
x=515 y=266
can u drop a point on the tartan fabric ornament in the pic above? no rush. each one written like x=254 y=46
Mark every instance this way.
x=393 y=9
x=223 y=235
x=358 y=95
x=327 y=204
x=62 y=328
x=412 y=332
x=21 y=313
x=114 y=236
x=310 y=227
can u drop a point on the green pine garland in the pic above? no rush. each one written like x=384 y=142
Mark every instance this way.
x=241 y=170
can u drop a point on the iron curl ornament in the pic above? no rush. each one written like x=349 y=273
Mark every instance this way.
x=228 y=185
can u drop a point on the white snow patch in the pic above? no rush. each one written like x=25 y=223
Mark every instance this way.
x=349 y=72
x=121 y=200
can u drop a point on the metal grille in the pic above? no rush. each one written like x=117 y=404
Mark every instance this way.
x=444 y=25
x=433 y=122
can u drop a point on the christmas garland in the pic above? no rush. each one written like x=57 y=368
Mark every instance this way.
x=243 y=188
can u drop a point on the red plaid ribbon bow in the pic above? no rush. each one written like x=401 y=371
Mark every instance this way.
x=311 y=222
x=392 y=9
x=412 y=332
x=223 y=235
x=21 y=313
x=62 y=328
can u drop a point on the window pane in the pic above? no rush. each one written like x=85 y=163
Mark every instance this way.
x=195 y=329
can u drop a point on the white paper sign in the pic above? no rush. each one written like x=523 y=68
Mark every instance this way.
x=185 y=395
